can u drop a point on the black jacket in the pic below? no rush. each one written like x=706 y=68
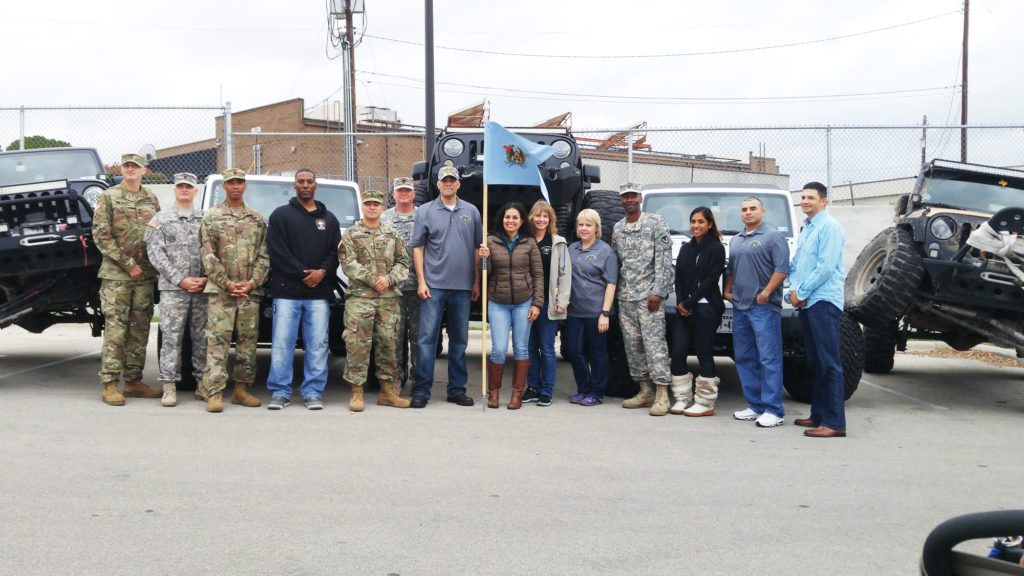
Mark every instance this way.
x=698 y=278
x=301 y=240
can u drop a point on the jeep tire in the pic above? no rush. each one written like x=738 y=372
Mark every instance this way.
x=880 y=347
x=798 y=378
x=884 y=278
x=606 y=203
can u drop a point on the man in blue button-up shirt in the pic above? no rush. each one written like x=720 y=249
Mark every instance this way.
x=816 y=280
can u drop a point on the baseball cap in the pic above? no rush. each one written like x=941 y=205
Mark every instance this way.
x=630 y=187
x=186 y=178
x=403 y=183
x=373 y=196
x=447 y=172
x=137 y=159
x=233 y=174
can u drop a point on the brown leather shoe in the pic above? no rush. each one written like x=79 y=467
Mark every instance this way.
x=823 y=432
x=805 y=422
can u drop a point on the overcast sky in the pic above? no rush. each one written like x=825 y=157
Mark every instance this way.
x=871 y=61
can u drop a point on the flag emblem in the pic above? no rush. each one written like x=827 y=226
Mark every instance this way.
x=515 y=156
x=465 y=218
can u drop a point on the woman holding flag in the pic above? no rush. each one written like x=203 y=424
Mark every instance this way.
x=515 y=297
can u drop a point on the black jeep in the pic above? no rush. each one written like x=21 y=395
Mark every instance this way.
x=950 y=267
x=48 y=260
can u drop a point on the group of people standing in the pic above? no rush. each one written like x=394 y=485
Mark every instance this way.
x=409 y=268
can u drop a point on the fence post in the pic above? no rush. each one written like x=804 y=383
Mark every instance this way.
x=828 y=157
x=21 y=131
x=629 y=155
x=229 y=142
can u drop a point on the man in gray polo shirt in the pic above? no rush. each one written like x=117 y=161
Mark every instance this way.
x=445 y=241
x=758 y=264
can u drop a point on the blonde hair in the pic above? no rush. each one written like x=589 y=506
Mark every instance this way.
x=590 y=215
x=542 y=206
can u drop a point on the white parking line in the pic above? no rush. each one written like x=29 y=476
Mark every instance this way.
x=15 y=373
x=902 y=395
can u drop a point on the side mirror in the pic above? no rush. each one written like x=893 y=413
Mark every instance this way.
x=592 y=173
x=419 y=170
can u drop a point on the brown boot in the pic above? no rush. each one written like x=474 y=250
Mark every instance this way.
x=215 y=402
x=643 y=399
x=356 y=403
x=136 y=389
x=240 y=396
x=661 y=401
x=494 y=374
x=389 y=396
x=111 y=395
x=519 y=370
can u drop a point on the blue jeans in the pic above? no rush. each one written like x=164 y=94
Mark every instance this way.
x=502 y=317
x=541 y=376
x=757 y=348
x=431 y=310
x=588 y=352
x=820 y=325
x=313 y=316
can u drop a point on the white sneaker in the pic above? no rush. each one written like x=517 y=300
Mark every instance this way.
x=747 y=414
x=769 y=420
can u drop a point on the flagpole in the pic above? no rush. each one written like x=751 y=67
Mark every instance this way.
x=483 y=306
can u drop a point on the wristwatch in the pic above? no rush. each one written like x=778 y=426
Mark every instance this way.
x=605 y=313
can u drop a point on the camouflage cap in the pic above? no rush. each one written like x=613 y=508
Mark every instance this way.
x=373 y=196
x=403 y=183
x=186 y=178
x=447 y=172
x=137 y=159
x=233 y=174
x=630 y=187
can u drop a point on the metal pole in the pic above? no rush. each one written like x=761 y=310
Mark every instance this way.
x=924 y=139
x=963 y=92
x=229 y=142
x=21 y=132
x=629 y=156
x=483 y=308
x=350 y=96
x=428 y=33
x=828 y=157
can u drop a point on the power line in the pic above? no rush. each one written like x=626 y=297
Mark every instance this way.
x=675 y=55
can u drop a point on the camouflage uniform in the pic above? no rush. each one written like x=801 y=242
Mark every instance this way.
x=372 y=318
x=409 y=303
x=234 y=249
x=118 y=224
x=172 y=240
x=644 y=249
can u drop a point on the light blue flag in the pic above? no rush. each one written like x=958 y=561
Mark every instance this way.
x=512 y=159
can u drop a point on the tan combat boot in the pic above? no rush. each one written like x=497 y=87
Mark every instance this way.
x=240 y=396
x=389 y=396
x=661 y=401
x=704 y=398
x=682 y=389
x=643 y=399
x=111 y=395
x=170 y=395
x=356 y=403
x=215 y=402
x=136 y=389
x=200 y=391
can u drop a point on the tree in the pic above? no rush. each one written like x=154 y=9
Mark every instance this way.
x=38 y=142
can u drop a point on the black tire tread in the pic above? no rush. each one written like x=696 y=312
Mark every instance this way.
x=880 y=348
x=898 y=278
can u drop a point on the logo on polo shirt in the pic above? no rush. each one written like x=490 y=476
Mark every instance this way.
x=321 y=224
x=590 y=258
x=755 y=244
x=465 y=218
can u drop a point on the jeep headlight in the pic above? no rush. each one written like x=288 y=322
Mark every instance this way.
x=943 y=228
x=453 y=147
x=562 y=148
x=92 y=195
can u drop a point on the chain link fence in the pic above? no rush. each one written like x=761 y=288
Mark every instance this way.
x=861 y=164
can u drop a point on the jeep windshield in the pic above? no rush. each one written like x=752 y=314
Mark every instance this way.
x=265 y=196
x=977 y=192
x=48 y=165
x=676 y=208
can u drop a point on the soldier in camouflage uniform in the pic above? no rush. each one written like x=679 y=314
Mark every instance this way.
x=233 y=238
x=172 y=241
x=375 y=260
x=644 y=247
x=126 y=290
x=402 y=218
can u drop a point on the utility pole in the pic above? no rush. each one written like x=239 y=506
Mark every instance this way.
x=428 y=33
x=924 y=139
x=350 y=94
x=963 y=91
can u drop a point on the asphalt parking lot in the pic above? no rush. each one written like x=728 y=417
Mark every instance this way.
x=141 y=489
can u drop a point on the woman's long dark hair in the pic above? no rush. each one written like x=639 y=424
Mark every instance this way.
x=710 y=217
x=499 y=227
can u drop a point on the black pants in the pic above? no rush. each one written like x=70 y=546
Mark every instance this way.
x=699 y=330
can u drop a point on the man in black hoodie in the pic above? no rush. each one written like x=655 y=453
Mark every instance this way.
x=302 y=238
